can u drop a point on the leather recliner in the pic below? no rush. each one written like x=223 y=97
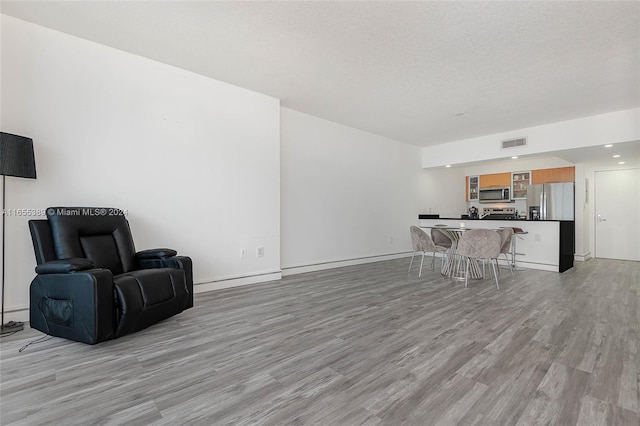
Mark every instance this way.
x=92 y=285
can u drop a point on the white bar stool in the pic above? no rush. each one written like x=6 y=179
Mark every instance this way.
x=514 y=253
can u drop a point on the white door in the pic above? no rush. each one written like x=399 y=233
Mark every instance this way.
x=617 y=208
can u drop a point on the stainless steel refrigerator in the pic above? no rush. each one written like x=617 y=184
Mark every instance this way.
x=551 y=201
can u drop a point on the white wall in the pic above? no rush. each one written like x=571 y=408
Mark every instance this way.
x=196 y=162
x=581 y=208
x=443 y=192
x=613 y=127
x=518 y=165
x=344 y=193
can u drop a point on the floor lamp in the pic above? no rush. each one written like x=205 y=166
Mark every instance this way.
x=16 y=159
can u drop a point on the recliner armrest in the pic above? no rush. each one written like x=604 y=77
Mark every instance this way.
x=63 y=266
x=77 y=306
x=158 y=253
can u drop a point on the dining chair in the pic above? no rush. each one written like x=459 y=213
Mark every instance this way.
x=506 y=235
x=422 y=242
x=480 y=244
x=440 y=238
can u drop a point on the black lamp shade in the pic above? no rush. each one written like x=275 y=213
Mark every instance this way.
x=16 y=156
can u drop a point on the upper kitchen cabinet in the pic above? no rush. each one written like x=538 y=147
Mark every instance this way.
x=495 y=180
x=519 y=183
x=472 y=188
x=560 y=174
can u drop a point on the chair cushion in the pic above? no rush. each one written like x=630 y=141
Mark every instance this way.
x=147 y=296
x=101 y=235
x=440 y=238
x=103 y=251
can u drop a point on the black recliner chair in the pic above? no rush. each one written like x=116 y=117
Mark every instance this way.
x=92 y=285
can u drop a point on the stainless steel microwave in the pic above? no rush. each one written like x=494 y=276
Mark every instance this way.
x=494 y=195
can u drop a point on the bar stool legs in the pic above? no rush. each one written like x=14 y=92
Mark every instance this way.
x=514 y=253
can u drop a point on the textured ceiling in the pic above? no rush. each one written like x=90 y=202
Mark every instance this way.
x=420 y=72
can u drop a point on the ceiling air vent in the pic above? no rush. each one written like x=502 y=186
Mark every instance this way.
x=512 y=143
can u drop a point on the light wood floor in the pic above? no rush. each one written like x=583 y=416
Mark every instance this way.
x=356 y=345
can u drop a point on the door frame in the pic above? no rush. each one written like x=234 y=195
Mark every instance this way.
x=591 y=202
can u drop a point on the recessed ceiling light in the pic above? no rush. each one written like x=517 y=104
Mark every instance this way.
x=616 y=156
x=515 y=157
x=448 y=165
x=620 y=162
x=608 y=145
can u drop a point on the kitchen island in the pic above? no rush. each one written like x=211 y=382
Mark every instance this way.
x=547 y=245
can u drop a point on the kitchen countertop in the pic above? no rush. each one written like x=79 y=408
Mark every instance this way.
x=545 y=244
x=420 y=216
x=505 y=218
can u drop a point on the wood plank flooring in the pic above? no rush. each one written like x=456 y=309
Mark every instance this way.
x=358 y=345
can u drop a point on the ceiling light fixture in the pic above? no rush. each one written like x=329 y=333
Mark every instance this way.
x=515 y=157
x=448 y=165
x=608 y=145
x=620 y=162
x=616 y=156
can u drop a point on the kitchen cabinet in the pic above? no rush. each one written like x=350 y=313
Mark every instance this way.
x=559 y=174
x=516 y=181
x=519 y=183
x=472 y=188
x=495 y=180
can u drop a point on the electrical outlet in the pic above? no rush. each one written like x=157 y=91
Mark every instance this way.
x=260 y=252
x=243 y=253
x=538 y=237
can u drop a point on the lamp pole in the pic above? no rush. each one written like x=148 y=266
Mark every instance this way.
x=16 y=159
x=12 y=326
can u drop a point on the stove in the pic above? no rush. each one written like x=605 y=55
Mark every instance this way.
x=506 y=213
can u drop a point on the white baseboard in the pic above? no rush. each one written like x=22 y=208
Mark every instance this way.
x=529 y=265
x=292 y=270
x=582 y=257
x=16 y=314
x=229 y=282
x=538 y=266
x=22 y=313
x=338 y=264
